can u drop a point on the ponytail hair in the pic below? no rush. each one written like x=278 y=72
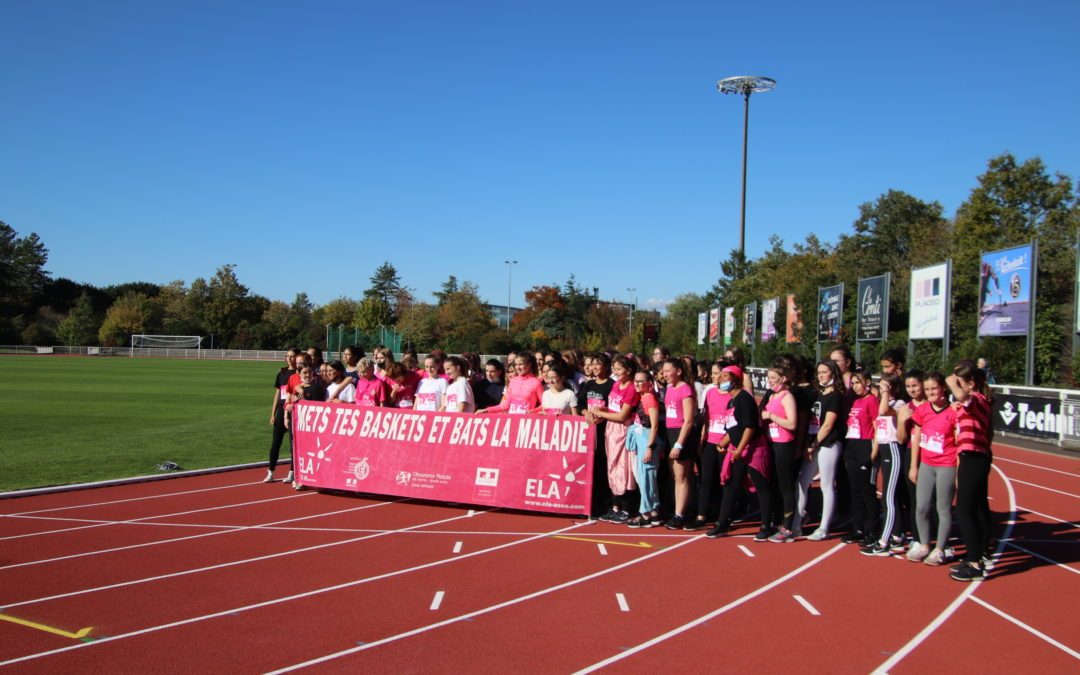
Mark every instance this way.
x=968 y=371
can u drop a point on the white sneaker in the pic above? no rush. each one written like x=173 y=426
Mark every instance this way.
x=269 y=477
x=918 y=552
x=936 y=557
x=288 y=478
x=818 y=535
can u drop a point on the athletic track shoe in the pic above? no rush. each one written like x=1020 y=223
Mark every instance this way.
x=654 y=521
x=763 y=534
x=695 y=525
x=968 y=572
x=818 y=535
x=269 y=477
x=288 y=478
x=918 y=552
x=609 y=516
x=897 y=544
x=936 y=557
x=676 y=523
x=637 y=522
x=782 y=536
x=875 y=550
x=716 y=532
x=853 y=538
x=620 y=517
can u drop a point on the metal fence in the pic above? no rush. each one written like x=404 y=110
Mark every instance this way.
x=154 y=352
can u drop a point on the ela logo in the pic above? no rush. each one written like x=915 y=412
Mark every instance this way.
x=539 y=487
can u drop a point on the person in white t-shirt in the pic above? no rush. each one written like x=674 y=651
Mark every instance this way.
x=458 y=396
x=558 y=398
x=341 y=389
x=429 y=395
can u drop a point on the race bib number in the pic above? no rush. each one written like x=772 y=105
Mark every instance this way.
x=614 y=405
x=774 y=432
x=552 y=411
x=933 y=443
x=518 y=407
x=672 y=412
x=717 y=426
x=427 y=401
x=853 y=428
x=451 y=399
x=405 y=403
x=593 y=403
x=283 y=392
x=885 y=430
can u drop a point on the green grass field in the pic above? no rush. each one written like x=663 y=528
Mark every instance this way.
x=76 y=419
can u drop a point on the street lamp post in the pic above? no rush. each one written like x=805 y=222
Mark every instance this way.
x=509 y=275
x=745 y=85
x=633 y=306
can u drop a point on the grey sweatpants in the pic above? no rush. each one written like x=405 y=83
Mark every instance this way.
x=937 y=483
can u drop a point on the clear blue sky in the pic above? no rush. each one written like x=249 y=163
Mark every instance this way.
x=306 y=142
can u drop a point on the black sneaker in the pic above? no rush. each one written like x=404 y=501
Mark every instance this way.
x=716 y=532
x=608 y=516
x=620 y=517
x=853 y=538
x=869 y=540
x=637 y=522
x=875 y=550
x=968 y=572
x=695 y=525
x=654 y=521
x=675 y=523
x=763 y=534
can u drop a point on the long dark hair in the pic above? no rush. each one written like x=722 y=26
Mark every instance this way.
x=837 y=379
x=969 y=371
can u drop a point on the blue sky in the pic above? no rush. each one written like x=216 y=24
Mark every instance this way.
x=309 y=142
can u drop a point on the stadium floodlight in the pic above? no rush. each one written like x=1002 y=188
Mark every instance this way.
x=745 y=85
x=166 y=342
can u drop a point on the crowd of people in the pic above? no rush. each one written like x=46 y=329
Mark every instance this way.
x=689 y=446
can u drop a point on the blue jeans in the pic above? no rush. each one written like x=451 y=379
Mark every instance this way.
x=637 y=442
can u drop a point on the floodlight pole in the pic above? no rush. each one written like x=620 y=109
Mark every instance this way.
x=745 y=85
x=509 y=276
x=632 y=307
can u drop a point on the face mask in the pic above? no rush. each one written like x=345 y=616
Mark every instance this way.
x=724 y=386
x=777 y=388
x=829 y=383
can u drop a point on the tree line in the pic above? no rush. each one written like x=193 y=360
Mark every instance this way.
x=1013 y=203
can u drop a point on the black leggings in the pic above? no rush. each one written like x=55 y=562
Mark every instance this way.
x=860 y=473
x=710 y=491
x=280 y=432
x=972 y=507
x=739 y=469
x=786 y=469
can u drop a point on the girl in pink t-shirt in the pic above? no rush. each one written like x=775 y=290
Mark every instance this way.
x=717 y=419
x=642 y=445
x=782 y=419
x=621 y=403
x=857 y=460
x=524 y=392
x=680 y=407
x=370 y=390
x=934 y=434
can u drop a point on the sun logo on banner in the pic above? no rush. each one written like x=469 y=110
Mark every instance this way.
x=315 y=459
x=569 y=475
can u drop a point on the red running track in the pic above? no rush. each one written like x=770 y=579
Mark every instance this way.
x=226 y=573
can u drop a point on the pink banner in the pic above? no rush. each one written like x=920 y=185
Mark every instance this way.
x=529 y=462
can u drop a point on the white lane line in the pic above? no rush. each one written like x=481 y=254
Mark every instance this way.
x=1037 y=633
x=471 y=513
x=131 y=499
x=806 y=605
x=621 y=599
x=327 y=589
x=603 y=549
x=218 y=531
x=711 y=615
x=1048 y=489
x=210 y=568
x=102 y=523
x=437 y=601
x=457 y=547
x=1042 y=557
x=747 y=551
x=1036 y=466
x=1054 y=518
x=941 y=618
x=486 y=610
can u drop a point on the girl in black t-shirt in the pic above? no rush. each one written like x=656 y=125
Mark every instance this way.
x=277 y=411
x=823 y=455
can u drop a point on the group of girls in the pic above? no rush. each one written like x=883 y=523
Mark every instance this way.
x=684 y=445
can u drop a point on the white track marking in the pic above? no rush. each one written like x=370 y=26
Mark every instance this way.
x=1044 y=558
x=226 y=530
x=457 y=547
x=621 y=599
x=1037 y=633
x=747 y=551
x=603 y=549
x=1043 y=515
x=711 y=615
x=437 y=600
x=131 y=499
x=806 y=605
x=485 y=610
x=102 y=523
x=941 y=618
x=1043 y=487
x=233 y=563
x=1036 y=466
x=319 y=591
x=471 y=513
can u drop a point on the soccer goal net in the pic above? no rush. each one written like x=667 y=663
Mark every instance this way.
x=166 y=342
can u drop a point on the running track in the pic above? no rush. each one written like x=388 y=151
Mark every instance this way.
x=221 y=572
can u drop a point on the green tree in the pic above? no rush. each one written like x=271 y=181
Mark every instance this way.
x=372 y=313
x=463 y=319
x=339 y=311
x=22 y=277
x=80 y=326
x=449 y=286
x=129 y=315
x=418 y=325
x=386 y=288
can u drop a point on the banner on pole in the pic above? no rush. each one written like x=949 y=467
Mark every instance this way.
x=530 y=462
x=768 y=319
x=702 y=327
x=714 y=325
x=929 y=302
x=1005 y=291
x=873 y=322
x=749 y=323
x=794 y=319
x=830 y=312
x=729 y=325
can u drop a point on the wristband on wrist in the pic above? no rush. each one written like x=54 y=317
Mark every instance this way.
x=678 y=446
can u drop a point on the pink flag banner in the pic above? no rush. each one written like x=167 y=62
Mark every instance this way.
x=528 y=462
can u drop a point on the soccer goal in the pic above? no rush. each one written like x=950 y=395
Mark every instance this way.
x=144 y=343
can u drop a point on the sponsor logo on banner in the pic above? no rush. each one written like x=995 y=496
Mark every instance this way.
x=1029 y=416
x=928 y=308
x=830 y=312
x=794 y=320
x=530 y=462
x=1005 y=291
x=768 y=319
x=873 y=308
